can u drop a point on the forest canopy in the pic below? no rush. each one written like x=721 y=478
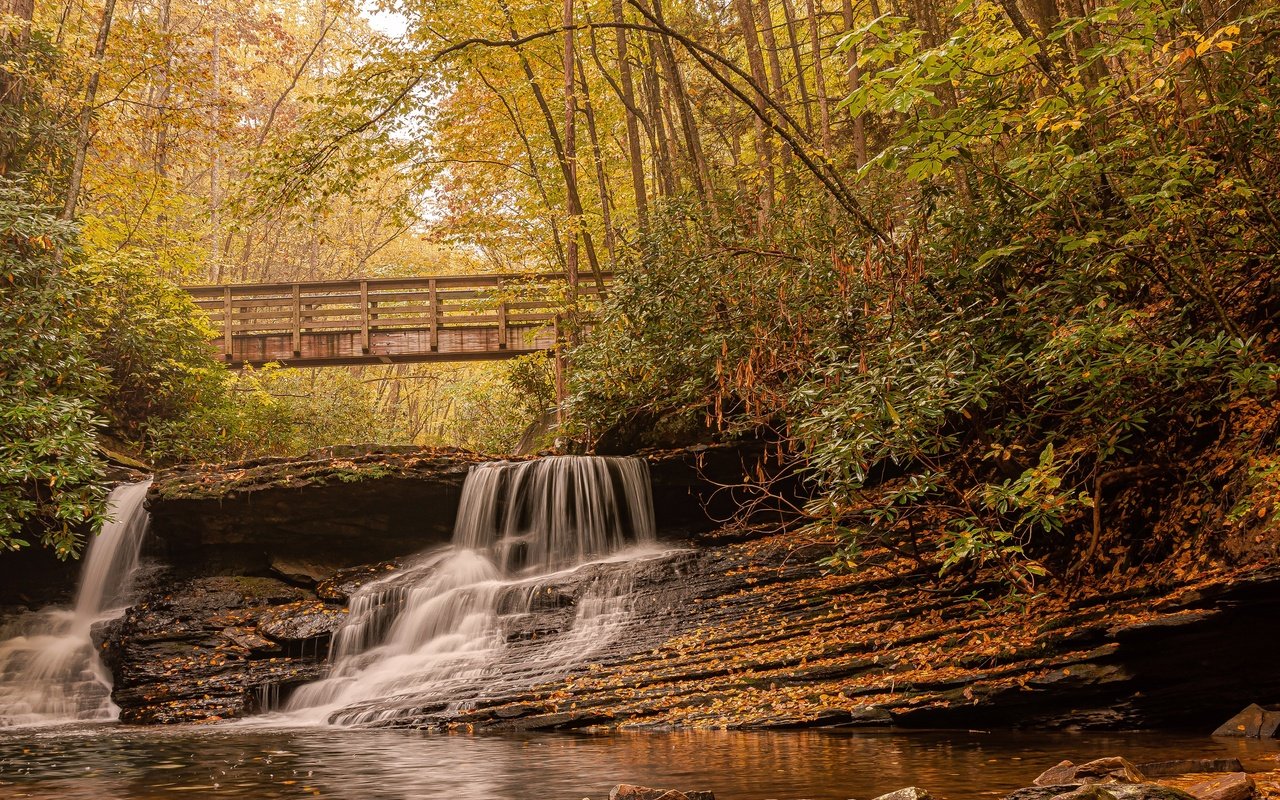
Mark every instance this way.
x=972 y=269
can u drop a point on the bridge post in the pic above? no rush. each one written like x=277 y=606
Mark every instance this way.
x=226 y=323
x=557 y=352
x=297 y=320
x=364 y=317
x=434 y=318
x=502 y=320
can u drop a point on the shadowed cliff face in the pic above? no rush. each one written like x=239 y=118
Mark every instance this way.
x=348 y=506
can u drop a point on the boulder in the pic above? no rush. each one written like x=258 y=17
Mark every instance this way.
x=1232 y=786
x=1108 y=770
x=1102 y=770
x=1185 y=766
x=194 y=652
x=909 y=793
x=1117 y=791
x=1254 y=722
x=627 y=791
x=301 y=571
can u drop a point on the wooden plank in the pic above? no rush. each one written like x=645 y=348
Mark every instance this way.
x=314 y=311
x=245 y=317
x=379 y=284
x=319 y=299
x=442 y=321
x=364 y=316
x=502 y=326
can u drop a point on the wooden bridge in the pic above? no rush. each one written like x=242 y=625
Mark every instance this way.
x=391 y=320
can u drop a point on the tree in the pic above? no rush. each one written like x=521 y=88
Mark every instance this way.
x=50 y=472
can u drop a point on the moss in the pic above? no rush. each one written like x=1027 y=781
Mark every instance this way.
x=213 y=481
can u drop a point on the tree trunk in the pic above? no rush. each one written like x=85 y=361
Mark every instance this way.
x=633 y=128
x=570 y=156
x=661 y=144
x=855 y=81
x=820 y=87
x=602 y=183
x=532 y=161
x=83 y=129
x=13 y=50
x=777 y=84
x=568 y=166
x=688 y=124
x=793 y=39
x=160 y=156
x=764 y=143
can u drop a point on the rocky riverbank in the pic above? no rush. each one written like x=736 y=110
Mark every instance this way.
x=1113 y=778
x=736 y=628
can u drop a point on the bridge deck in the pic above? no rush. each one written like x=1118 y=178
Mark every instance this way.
x=387 y=321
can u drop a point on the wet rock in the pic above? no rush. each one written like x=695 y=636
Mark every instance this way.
x=1232 y=786
x=326 y=511
x=1091 y=791
x=195 y=652
x=1168 y=769
x=249 y=639
x=1102 y=770
x=301 y=571
x=1042 y=792
x=1108 y=770
x=301 y=621
x=909 y=793
x=870 y=716
x=627 y=791
x=1095 y=791
x=339 y=587
x=1060 y=774
x=1146 y=791
x=1254 y=722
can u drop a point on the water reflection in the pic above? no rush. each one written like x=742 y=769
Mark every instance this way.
x=115 y=763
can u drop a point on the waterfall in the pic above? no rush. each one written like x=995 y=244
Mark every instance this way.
x=450 y=629
x=49 y=672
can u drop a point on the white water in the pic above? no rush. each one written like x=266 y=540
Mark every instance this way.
x=444 y=632
x=49 y=672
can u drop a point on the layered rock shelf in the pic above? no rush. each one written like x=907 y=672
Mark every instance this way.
x=754 y=635
x=735 y=628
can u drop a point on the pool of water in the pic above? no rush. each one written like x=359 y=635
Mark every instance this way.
x=110 y=762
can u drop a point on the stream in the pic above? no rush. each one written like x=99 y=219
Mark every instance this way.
x=455 y=626
x=108 y=761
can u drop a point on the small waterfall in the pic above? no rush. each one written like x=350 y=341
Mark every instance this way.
x=451 y=629
x=49 y=672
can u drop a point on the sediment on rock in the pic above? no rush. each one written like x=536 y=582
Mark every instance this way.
x=754 y=635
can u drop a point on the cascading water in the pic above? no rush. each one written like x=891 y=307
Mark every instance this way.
x=448 y=630
x=49 y=672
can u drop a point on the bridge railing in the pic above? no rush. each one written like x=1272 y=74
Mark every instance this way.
x=377 y=306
